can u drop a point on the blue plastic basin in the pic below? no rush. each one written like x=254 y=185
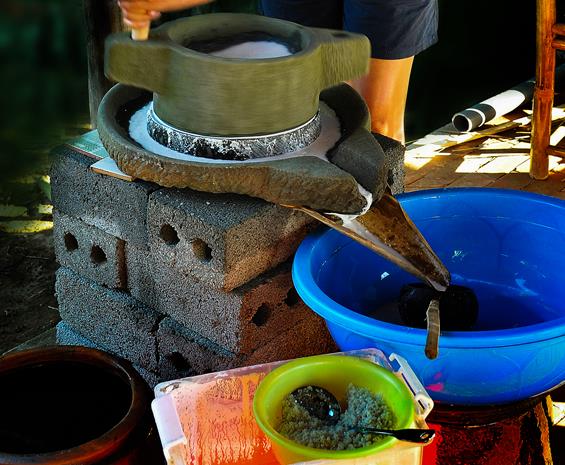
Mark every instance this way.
x=508 y=246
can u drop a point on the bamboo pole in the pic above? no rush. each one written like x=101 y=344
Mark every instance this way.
x=543 y=93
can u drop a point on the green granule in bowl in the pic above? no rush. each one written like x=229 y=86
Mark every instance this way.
x=364 y=409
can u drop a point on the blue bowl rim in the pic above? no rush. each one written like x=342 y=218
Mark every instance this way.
x=336 y=313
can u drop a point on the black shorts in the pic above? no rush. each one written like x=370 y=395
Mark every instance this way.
x=396 y=28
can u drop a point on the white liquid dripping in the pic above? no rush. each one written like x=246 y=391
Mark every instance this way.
x=254 y=50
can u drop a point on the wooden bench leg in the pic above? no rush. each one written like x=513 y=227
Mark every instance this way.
x=543 y=95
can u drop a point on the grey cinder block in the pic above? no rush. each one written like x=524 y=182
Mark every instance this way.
x=240 y=320
x=117 y=207
x=224 y=240
x=89 y=251
x=109 y=318
x=69 y=337
x=307 y=337
x=183 y=353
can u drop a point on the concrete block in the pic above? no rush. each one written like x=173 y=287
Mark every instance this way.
x=224 y=240
x=69 y=337
x=394 y=160
x=151 y=378
x=115 y=206
x=89 y=251
x=240 y=320
x=184 y=353
x=307 y=337
x=109 y=318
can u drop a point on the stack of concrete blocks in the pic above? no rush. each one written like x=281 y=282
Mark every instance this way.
x=176 y=281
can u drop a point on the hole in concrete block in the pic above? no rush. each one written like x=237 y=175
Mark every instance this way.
x=97 y=255
x=292 y=297
x=179 y=363
x=261 y=315
x=169 y=235
x=71 y=242
x=201 y=250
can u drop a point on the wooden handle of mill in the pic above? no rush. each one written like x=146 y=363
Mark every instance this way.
x=141 y=33
x=432 y=339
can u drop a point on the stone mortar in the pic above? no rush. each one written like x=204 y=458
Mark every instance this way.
x=306 y=181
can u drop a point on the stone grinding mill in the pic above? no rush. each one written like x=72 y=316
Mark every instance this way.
x=234 y=103
x=210 y=106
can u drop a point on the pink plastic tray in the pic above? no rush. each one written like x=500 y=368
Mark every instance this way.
x=208 y=419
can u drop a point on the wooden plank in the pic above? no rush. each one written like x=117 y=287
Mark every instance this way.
x=440 y=171
x=512 y=181
x=503 y=164
x=556 y=151
x=511 y=151
x=485 y=133
x=476 y=180
x=472 y=164
x=554 y=164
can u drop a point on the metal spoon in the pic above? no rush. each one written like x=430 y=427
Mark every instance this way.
x=322 y=404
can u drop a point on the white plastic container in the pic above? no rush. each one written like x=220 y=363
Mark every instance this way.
x=208 y=419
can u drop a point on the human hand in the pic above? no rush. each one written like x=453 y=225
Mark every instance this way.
x=138 y=13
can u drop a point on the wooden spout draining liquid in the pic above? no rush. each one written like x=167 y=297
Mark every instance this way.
x=386 y=229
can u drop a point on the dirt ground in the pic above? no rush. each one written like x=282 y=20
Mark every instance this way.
x=27 y=279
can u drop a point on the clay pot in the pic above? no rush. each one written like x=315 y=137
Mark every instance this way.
x=73 y=405
x=204 y=94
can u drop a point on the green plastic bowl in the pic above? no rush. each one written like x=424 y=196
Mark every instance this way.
x=335 y=373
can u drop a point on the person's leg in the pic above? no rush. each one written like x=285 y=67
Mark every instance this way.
x=385 y=89
x=398 y=30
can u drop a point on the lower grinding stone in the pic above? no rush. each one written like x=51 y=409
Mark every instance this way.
x=307 y=181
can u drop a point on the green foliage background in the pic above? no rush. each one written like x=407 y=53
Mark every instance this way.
x=43 y=79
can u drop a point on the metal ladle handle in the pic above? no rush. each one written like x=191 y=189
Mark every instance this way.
x=420 y=436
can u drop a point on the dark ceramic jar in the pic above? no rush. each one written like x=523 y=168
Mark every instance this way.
x=73 y=405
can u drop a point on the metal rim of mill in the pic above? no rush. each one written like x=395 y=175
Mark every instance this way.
x=233 y=148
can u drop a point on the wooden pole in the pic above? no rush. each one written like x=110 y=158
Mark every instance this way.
x=102 y=18
x=543 y=93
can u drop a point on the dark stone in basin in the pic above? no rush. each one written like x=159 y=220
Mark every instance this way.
x=304 y=181
x=458 y=306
